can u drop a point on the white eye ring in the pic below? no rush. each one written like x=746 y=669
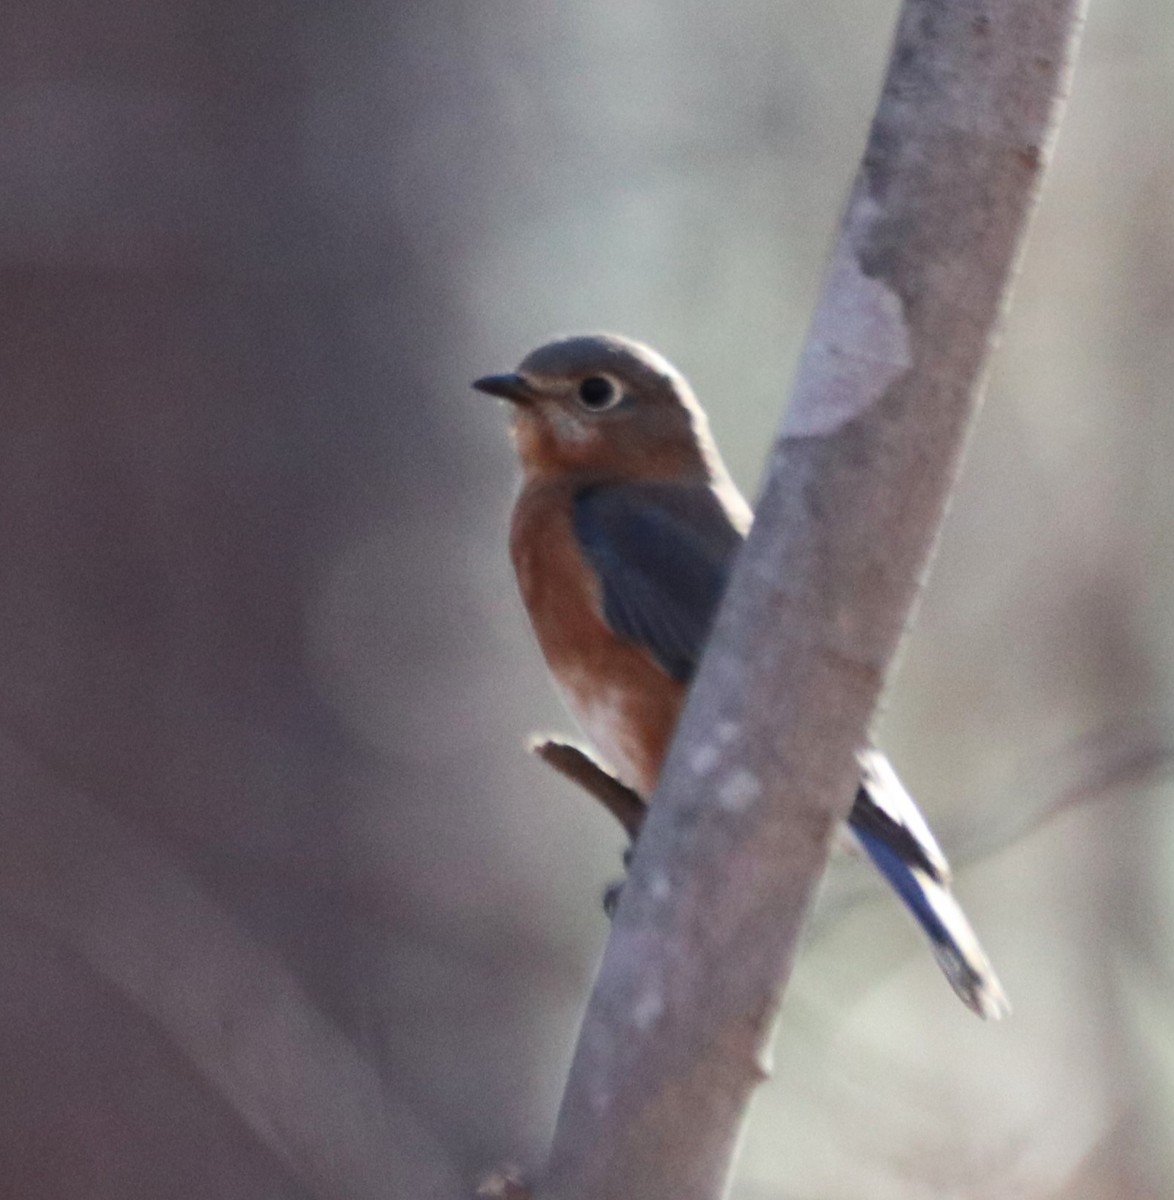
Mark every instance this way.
x=597 y=393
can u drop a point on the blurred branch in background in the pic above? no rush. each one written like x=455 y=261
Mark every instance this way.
x=226 y=1002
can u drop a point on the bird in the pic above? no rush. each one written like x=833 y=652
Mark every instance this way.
x=622 y=537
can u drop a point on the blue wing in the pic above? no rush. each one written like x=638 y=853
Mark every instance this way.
x=662 y=553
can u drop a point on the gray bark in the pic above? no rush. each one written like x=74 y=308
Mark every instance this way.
x=677 y=1033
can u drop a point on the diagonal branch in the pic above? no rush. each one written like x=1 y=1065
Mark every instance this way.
x=225 y=1001
x=677 y=1031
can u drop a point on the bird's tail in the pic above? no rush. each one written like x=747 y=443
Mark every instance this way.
x=953 y=941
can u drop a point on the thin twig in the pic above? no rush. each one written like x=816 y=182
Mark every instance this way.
x=577 y=764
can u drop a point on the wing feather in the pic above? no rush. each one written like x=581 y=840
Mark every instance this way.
x=662 y=554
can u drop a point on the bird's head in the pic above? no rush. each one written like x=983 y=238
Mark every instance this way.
x=600 y=404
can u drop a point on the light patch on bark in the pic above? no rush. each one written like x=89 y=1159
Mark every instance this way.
x=648 y=1009
x=739 y=791
x=864 y=345
x=703 y=759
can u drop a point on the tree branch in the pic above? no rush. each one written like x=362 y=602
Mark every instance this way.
x=677 y=1032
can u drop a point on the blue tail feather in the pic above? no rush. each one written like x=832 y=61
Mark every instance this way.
x=953 y=941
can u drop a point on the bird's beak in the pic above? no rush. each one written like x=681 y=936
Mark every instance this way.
x=512 y=387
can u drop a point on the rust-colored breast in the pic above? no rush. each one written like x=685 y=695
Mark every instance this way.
x=626 y=704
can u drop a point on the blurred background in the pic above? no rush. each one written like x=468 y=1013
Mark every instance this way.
x=286 y=910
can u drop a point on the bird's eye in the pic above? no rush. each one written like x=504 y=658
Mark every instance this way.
x=597 y=392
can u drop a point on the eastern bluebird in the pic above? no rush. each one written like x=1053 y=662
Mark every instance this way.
x=622 y=539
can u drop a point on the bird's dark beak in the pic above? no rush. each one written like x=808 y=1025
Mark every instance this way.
x=512 y=387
